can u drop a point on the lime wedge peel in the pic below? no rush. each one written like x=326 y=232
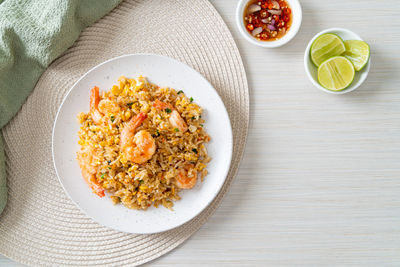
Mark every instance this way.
x=326 y=46
x=358 y=52
x=336 y=73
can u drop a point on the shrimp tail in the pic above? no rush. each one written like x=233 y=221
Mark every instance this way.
x=97 y=189
x=90 y=179
x=94 y=103
x=136 y=121
x=94 y=99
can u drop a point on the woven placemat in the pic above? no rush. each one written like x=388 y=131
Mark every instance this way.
x=40 y=225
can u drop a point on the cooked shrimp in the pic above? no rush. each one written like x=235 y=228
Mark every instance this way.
x=139 y=147
x=175 y=119
x=85 y=160
x=107 y=106
x=98 y=108
x=187 y=177
x=94 y=105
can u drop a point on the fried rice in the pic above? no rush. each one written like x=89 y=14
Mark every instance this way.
x=139 y=186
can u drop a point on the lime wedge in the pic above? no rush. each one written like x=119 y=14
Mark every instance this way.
x=336 y=73
x=358 y=53
x=326 y=46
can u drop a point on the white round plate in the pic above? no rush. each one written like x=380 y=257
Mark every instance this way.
x=162 y=71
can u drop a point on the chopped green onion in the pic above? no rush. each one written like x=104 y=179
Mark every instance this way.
x=201 y=125
x=180 y=91
x=157 y=134
x=112 y=118
x=130 y=104
x=176 y=130
x=191 y=99
x=168 y=110
x=141 y=181
x=194 y=150
x=193 y=118
x=102 y=176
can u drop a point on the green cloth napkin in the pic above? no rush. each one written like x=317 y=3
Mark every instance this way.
x=32 y=34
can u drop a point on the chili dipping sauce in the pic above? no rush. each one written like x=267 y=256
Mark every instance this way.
x=267 y=20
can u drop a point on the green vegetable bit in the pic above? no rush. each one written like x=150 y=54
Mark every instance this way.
x=102 y=176
x=112 y=118
x=191 y=99
x=180 y=92
x=194 y=150
x=176 y=130
x=156 y=134
x=168 y=110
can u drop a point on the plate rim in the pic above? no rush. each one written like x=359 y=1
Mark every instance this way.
x=230 y=136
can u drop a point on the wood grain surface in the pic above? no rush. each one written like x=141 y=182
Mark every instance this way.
x=319 y=184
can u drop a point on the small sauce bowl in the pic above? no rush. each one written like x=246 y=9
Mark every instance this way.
x=294 y=28
x=312 y=70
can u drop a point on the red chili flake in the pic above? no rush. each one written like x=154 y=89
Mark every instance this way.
x=256 y=22
x=264 y=5
x=250 y=27
x=282 y=4
x=286 y=18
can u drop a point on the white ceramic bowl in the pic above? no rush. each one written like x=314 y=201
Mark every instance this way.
x=312 y=70
x=294 y=28
x=163 y=71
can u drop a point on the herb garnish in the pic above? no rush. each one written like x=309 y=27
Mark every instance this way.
x=156 y=134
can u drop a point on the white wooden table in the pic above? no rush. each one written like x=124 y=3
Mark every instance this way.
x=319 y=183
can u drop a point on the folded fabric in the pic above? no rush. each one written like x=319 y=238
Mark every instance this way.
x=32 y=35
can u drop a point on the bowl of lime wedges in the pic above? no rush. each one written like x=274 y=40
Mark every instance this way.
x=337 y=60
